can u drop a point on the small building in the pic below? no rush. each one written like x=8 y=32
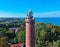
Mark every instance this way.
x=17 y=45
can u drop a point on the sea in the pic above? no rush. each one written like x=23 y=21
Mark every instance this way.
x=53 y=21
x=50 y=20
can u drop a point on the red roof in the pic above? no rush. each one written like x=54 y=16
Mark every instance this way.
x=17 y=45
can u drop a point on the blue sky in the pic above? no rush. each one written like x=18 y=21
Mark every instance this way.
x=40 y=8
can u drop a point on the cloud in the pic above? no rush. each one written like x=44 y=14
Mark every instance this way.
x=48 y=14
x=18 y=15
x=9 y=14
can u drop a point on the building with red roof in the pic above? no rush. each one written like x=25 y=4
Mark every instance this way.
x=17 y=45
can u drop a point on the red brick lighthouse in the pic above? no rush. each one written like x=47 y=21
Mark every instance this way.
x=30 y=42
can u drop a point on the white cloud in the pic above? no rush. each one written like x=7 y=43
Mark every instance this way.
x=8 y=14
x=48 y=14
x=45 y=14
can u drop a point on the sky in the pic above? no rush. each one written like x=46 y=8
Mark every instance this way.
x=40 y=8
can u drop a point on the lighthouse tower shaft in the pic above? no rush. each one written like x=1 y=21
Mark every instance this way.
x=30 y=42
x=29 y=32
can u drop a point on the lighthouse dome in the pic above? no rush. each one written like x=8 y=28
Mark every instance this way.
x=29 y=13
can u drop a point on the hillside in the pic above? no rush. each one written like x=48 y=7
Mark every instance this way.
x=11 y=22
x=46 y=35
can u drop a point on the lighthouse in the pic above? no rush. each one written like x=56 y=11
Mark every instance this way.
x=30 y=42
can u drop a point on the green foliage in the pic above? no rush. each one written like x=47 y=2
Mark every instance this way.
x=3 y=42
x=21 y=35
x=46 y=35
x=2 y=32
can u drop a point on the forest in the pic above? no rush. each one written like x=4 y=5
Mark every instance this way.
x=46 y=35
